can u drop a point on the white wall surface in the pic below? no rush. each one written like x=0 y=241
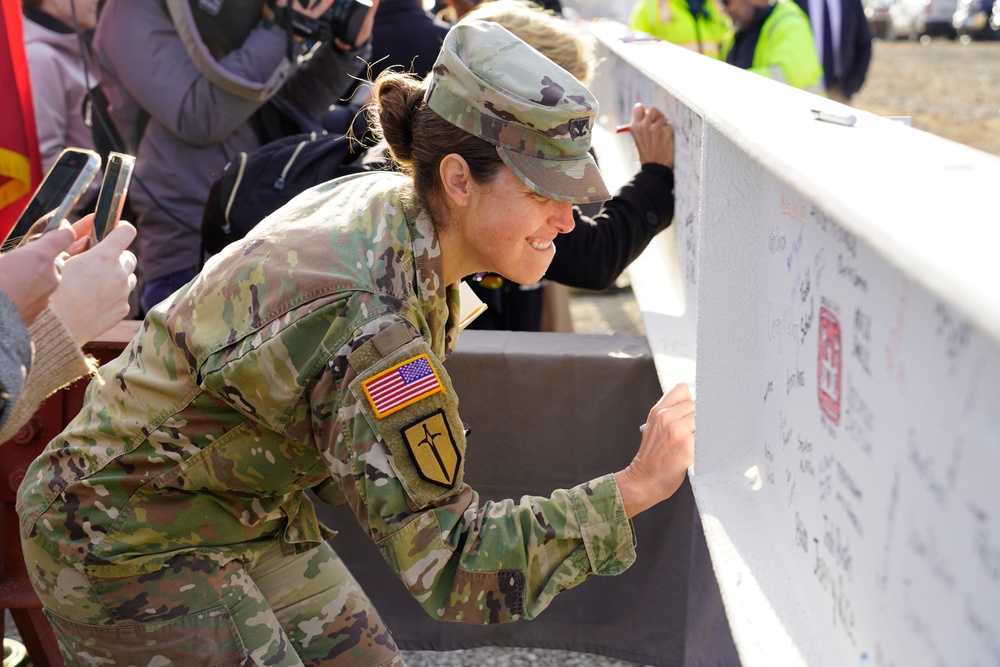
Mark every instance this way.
x=834 y=292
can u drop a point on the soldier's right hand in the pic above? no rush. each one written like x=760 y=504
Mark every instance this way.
x=665 y=453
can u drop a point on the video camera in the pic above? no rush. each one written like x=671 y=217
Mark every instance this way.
x=342 y=20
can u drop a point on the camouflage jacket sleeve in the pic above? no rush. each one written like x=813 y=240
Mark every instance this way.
x=398 y=447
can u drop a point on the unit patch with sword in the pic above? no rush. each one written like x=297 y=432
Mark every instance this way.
x=433 y=448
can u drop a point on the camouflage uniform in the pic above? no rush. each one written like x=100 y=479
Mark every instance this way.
x=168 y=524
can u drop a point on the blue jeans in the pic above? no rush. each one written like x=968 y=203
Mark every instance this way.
x=158 y=289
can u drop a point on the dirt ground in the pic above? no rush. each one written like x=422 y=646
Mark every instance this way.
x=948 y=88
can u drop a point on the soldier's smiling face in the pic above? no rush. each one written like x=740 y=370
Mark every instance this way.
x=511 y=230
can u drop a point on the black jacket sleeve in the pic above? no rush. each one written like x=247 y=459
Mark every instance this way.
x=598 y=249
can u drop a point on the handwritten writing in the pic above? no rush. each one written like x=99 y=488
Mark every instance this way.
x=955 y=332
x=859 y=420
x=925 y=467
x=796 y=379
x=691 y=251
x=924 y=633
x=847 y=482
x=793 y=209
x=843 y=609
x=983 y=630
x=786 y=433
x=895 y=365
x=882 y=577
x=987 y=552
x=837 y=545
x=924 y=545
x=769 y=467
x=861 y=340
x=854 y=278
x=776 y=241
x=794 y=253
x=801 y=287
x=805 y=450
x=852 y=516
x=838 y=233
x=801 y=534
x=806 y=321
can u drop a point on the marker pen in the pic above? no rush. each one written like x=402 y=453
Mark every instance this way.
x=835 y=118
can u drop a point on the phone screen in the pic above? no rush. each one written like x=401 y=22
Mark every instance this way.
x=62 y=181
x=117 y=175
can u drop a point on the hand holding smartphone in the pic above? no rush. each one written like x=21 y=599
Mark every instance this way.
x=114 y=188
x=63 y=185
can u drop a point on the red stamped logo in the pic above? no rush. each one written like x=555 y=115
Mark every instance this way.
x=828 y=368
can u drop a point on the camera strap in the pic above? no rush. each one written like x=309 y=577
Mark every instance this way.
x=184 y=21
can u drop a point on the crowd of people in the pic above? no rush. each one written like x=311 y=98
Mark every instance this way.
x=145 y=82
x=823 y=46
x=314 y=348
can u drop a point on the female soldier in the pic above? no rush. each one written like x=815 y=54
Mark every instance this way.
x=168 y=525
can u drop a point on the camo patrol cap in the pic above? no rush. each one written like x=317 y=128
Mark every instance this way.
x=539 y=116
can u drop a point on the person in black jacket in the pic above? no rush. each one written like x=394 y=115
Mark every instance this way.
x=843 y=44
x=599 y=248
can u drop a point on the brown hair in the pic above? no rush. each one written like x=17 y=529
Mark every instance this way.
x=419 y=139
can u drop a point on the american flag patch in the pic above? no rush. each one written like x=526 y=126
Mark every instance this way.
x=402 y=385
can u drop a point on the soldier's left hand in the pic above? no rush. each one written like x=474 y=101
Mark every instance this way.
x=665 y=453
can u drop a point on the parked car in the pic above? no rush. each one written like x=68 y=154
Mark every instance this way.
x=937 y=18
x=913 y=19
x=877 y=13
x=979 y=19
x=903 y=16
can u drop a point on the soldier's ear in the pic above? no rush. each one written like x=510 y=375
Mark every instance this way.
x=456 y=179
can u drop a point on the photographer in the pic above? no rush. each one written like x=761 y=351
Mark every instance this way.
x=186 y=82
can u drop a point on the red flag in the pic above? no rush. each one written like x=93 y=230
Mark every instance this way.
x=20 y=161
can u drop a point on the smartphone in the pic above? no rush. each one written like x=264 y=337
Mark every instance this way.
x=67 y=179
x=114 y=188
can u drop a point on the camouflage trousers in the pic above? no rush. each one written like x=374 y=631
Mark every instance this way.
x=279 y=610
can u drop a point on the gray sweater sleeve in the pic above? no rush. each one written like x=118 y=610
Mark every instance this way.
x=15 y=355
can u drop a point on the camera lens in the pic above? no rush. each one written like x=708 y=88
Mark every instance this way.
x=346 y=17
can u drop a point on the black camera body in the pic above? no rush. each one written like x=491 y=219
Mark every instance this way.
x=342 y=20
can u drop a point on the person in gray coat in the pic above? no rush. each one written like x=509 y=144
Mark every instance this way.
x=54 y=43
x=186 y=109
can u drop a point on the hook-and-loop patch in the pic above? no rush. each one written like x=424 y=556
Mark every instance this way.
x=410 y=403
